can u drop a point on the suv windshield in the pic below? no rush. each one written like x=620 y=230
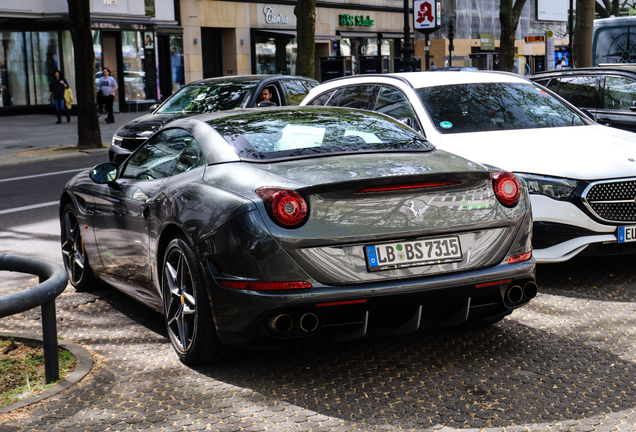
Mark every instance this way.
x=494 y=106
x=208 y=97
x=315 y=131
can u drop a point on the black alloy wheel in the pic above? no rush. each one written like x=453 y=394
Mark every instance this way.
x=74 y=253
x=187 y=308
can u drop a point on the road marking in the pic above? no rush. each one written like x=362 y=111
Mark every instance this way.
x=43 y=175
x=30 y=207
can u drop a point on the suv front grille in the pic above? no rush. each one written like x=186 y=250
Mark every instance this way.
x=612 y=201
x=132 y=143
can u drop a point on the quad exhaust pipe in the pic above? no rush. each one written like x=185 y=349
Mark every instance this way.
x=283 y=323
x=516 y=294
x=280 y=323
x=530 y=290
x=308 y=322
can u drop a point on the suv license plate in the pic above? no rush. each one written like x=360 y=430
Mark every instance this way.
x=413 y=253
x=627 y=234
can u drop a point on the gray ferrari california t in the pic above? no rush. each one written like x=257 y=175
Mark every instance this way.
x=284 y=225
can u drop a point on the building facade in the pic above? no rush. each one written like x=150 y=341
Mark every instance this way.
x=237 y=37
x=154 y=47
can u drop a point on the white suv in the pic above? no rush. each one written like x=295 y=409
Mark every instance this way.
x=581 y=175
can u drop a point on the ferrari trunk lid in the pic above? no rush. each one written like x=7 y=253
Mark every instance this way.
x=373 y=218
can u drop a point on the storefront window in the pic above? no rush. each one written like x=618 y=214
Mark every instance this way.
x=265 y=55
x=275 y=55
x=369 y=47
x=176 y=60
x=12 y=69
x=385 y=47
x=290 y=54
x=68 y=59
x=97 y=47
x=46 y=59
x=29 y=65
x=345 y=47
x=134 y=74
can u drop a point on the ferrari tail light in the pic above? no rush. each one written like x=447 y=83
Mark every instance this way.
x=264 y=286
x=286 y=207
x=507 y=189
x=407 y=186
x=520 y=258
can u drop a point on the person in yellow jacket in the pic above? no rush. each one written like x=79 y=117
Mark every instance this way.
x=56 y=90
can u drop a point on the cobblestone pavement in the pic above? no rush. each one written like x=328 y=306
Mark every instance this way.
x=566 y=362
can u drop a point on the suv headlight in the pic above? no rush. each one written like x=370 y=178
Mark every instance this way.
x=554 y=187
x=116 y=142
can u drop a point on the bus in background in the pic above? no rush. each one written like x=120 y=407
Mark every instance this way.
x=614 y=40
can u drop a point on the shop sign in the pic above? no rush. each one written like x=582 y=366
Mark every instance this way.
x=110 y=2
x=535 y=38
x=355 y=20
x=149 y=40
x=487 y=41
x=272 y=18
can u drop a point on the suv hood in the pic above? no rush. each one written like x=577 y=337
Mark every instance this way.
x=146 y=123
x=579 y=152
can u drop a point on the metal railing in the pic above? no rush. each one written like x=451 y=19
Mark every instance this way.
x=53 y=280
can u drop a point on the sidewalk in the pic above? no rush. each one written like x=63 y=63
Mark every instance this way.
x=36 y=136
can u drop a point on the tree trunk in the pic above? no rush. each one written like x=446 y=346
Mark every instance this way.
x=509 y=15
x=88 y=132
x=582 y=37
x=305 y=12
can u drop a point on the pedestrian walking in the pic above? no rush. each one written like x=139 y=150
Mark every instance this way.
x=559 y=64
x=56 y=90
x=108 y=87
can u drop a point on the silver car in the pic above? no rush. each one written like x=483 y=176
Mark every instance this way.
x=286 y=225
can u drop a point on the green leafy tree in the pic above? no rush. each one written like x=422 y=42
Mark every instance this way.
x=305 y=11
x=88 y=132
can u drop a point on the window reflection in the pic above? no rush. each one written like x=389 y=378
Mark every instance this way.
x=134 y=74
x=12 y=69
x=494 y=106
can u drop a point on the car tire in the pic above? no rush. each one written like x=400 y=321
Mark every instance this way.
x=79 y=271
x=187 y=309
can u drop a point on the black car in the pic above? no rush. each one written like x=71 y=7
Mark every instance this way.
x=609 y=94
x=209 y=95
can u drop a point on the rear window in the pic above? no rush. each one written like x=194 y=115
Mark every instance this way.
x=208 y=97
x=494 y=106
x=282 y=134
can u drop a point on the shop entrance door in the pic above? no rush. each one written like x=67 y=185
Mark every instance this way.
x=165 y=66
x=211 y=52
x=110 y=55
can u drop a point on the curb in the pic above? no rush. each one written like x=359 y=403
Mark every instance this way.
x=83 y=367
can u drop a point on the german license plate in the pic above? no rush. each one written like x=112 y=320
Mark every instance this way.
x=627 y=234
x=423 y=252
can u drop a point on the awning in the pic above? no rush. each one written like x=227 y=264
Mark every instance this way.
x=292 y=33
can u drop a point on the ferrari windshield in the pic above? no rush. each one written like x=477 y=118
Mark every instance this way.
x=208 y=97
x=484 y=107
x=305 y=132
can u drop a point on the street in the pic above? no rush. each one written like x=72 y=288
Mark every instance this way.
x=30 y=205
